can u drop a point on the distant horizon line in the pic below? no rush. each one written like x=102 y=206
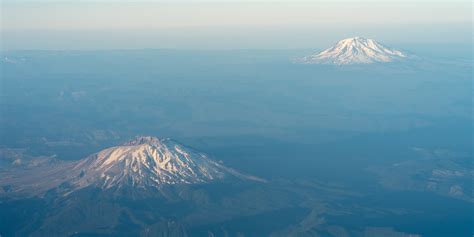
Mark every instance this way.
x=216 y=48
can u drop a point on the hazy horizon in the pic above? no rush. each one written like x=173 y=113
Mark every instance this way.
x=92 y=25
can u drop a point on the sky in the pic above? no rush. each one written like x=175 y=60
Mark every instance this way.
x=228 y=24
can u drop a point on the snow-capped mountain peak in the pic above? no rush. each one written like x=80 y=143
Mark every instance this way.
x=150 y=161
x=355 y=50
x=144 y=163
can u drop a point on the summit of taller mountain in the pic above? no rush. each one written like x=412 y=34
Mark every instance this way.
x=355 y=50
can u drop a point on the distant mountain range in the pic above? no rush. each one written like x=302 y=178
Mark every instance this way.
x=12 y=60
x=356 y=50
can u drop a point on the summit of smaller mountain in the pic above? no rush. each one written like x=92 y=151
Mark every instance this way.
x=150 y=161
x=145 y=162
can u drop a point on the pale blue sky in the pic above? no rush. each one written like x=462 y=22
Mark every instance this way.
x=88 y=24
